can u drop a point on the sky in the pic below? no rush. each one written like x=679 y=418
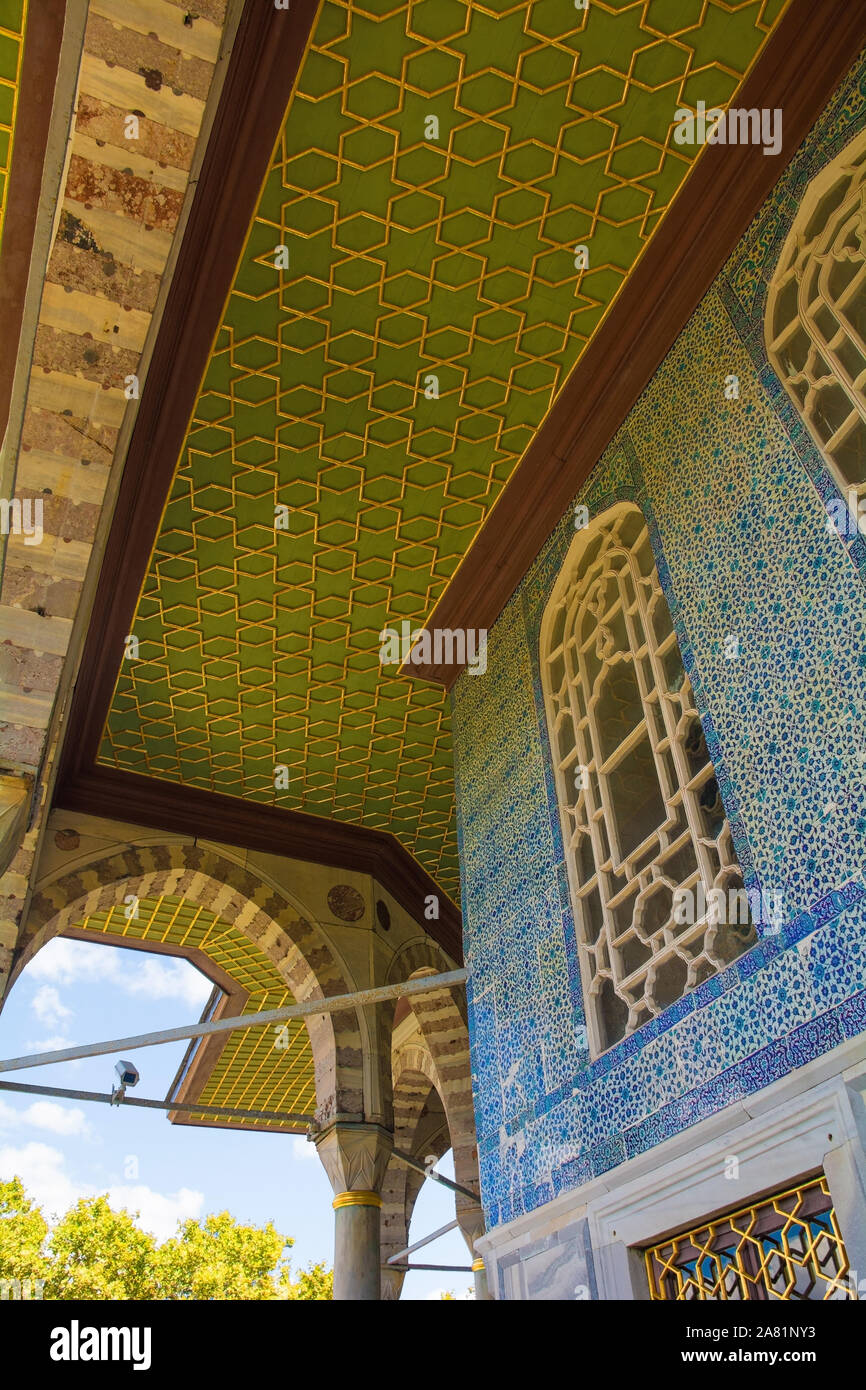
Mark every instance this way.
x=82 y=992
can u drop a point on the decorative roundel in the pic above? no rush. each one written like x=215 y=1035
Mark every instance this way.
x=67 y=839
x=345 y=902
x=383 y=915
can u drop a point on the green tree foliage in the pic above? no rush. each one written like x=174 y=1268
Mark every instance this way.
x=315 y=1282
x=22 y=1234
x=96 y=1253
x=221 y=1259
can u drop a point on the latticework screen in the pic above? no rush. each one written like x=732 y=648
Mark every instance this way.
x=643 y=823
x=785 y=1247
x=816 y=315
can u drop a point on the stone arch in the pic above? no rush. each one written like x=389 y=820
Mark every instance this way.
x=296 y=946
x=420 y=1129
x=419 y=952
x=442 y=1023
x=433 y=1063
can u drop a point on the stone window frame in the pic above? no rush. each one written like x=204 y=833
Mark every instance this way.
x=814 y=341
x=623 y=895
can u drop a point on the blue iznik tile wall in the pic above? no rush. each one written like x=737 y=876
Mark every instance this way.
x=735 y=495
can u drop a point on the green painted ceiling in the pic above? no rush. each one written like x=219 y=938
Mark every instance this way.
x=407 y=257
x=13 y=15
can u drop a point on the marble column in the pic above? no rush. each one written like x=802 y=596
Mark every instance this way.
x=482 y=1293
x=355 y=1157
x=471 y=1221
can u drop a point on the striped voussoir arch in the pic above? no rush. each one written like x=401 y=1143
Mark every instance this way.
x=296 y=947
x=442 y=1023
x=420 y=1129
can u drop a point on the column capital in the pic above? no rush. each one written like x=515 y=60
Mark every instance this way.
x=354 y=1156
x=470 y=1216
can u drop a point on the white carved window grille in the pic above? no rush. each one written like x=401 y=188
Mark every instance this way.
x=639 y=803
x=816 y=316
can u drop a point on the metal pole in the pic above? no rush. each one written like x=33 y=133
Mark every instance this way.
x=424 y=985
x=437 y=1177
x=223 y=1111
x=451 y=1269
x=410 y=1249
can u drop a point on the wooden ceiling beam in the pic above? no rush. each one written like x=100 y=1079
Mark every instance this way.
x=233 y=820
x=266 y=56
x=40 y=58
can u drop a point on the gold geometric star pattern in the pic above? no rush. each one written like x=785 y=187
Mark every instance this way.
x=411 y=298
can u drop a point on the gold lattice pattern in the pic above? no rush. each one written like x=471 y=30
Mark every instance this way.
x=251 y=1073
x=411 y=299
x=785 y=1247
x=13 y=17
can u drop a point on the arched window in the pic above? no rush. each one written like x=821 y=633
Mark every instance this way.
x=816 y=315
x=658 y=897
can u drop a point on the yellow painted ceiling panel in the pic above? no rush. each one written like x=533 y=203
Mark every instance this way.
x=257 y=1069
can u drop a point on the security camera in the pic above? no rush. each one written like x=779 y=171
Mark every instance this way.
x=127 y=1073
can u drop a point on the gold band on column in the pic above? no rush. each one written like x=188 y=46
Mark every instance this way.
x=476 y=1265
x=356 y=1199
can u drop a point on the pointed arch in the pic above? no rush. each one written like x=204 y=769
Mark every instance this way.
x=266 y=916
x=420 y=1129
x=815 y=325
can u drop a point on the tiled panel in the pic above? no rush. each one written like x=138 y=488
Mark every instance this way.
x=734 y=493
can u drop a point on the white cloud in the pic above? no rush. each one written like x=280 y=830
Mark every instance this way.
x=45 y=1114
x=302 y=1148
x=40 y=1168
x=42 y=1171
x=64 y=962
x=168 y=979
x=158 y=1213
x=52 y=1044
x=47 y=1006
